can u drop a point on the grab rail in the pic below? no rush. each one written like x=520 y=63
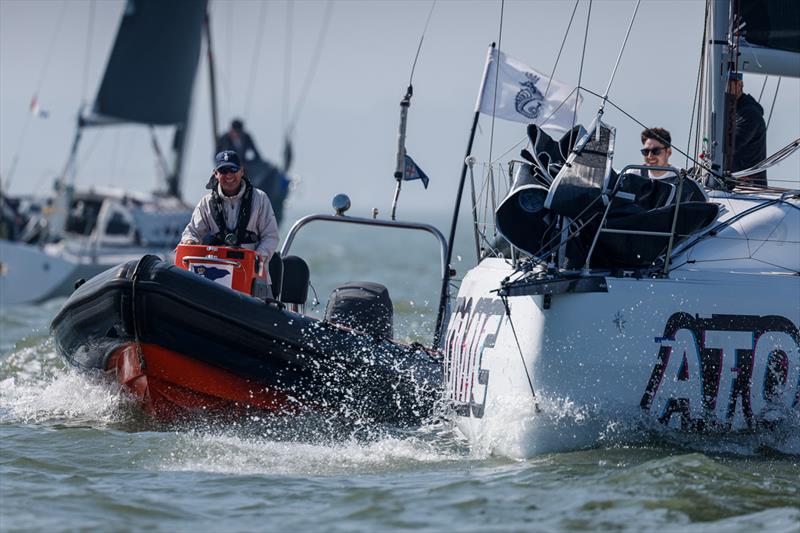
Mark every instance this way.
x=342 y=218
x=608 y=199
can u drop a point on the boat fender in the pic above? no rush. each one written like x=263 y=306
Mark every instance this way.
x=363 y=306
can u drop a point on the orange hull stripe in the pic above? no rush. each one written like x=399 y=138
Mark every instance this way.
x=170 y=380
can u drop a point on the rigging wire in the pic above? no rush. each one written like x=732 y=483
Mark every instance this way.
x=419 y=47
x=45 y=67
x=580 y=72
x=692 y=159
x=88 y=55
x=774 y=98
x=763 y=86
x=262 y=12
x=619 y=56
x=496 y=78
x=561 y=48
x=287 y=65
x=312 y=70
x=696 y=97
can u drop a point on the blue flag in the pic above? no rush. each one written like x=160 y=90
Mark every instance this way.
x=413 y=172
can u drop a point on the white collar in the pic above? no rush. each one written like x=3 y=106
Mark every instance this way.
x=236 y=196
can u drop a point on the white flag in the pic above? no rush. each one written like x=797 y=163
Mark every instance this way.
x=526 y=95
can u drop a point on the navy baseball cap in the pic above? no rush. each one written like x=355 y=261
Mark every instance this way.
x=227 y=159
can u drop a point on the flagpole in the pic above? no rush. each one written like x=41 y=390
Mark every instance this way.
x=451 y=240
x=405 y=103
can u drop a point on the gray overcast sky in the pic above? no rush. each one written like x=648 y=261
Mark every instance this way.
x=345 y=139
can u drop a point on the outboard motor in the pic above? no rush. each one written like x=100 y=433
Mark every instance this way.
x=363 y=306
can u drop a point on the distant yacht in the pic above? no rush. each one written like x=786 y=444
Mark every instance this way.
x=77 y=234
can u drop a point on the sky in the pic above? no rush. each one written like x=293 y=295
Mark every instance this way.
x=345 y=137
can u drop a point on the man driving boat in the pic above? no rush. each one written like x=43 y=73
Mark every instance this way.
x=233 y=213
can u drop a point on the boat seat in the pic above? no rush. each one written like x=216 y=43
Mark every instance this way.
x=275 y=269
x=623 y=250
x=296 y=277
x=642 y=192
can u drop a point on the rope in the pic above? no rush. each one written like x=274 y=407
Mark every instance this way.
x=496 y=79
x=312 y=67
x=504 y=299
x=262 y=12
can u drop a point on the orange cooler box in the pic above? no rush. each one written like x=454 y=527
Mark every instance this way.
x=237 y=268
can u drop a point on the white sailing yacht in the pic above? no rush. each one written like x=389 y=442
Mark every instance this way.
x=76 y=234
x=625 y=303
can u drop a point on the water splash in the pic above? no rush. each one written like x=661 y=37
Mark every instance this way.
x=36 y=388
x=230 y=452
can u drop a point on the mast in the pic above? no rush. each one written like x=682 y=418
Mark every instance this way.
x=717 y=46
x=440 y=318
x=212 y=82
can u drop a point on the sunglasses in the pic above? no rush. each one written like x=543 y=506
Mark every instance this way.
x=655 y=151
x=227 y=170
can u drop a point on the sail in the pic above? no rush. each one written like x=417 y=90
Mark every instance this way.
x=772 y=24
x=150 y=74
x=771 y=43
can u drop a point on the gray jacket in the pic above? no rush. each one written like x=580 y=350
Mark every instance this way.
x=262 y=220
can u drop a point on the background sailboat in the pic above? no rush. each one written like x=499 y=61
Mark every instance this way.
x=148 y=81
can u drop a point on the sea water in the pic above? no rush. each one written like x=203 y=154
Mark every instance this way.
x=77 y=454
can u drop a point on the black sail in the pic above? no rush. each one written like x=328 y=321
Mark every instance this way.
x=772 y=23
x=150 y=74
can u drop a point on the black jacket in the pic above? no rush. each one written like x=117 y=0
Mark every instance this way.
x=245 y=146
x=750 y=139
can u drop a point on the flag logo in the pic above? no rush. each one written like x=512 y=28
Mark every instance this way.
x=512 y=90
x=529 y=99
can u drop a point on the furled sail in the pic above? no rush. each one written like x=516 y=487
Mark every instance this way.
x=150 y=74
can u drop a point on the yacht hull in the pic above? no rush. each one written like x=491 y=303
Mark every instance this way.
x=700 y=351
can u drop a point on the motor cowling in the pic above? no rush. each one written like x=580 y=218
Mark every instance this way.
x=364 y=306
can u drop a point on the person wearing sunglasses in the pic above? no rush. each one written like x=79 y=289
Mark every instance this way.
x=233 y=213
x=656 y=151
